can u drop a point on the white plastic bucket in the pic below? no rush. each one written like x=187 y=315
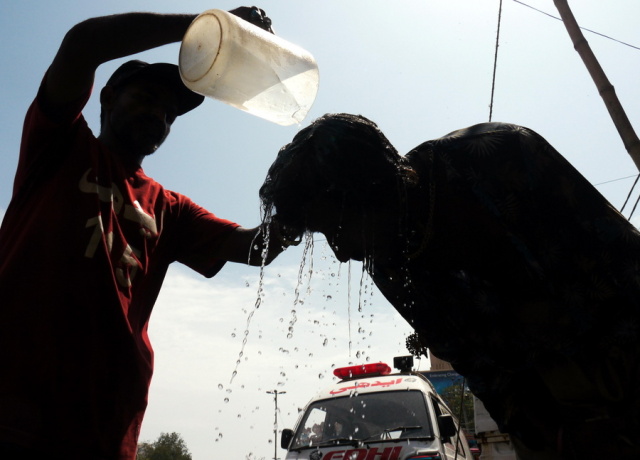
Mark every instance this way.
x=231 y=60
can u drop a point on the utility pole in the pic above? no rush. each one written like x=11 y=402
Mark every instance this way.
x=275 y=394
x=606 y=90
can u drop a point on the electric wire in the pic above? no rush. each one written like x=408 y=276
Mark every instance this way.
x=495 y=62
x=583 y=28
x=629 y=195
x=615 y=180
x=634 y=208
x=493 y=85
x=622 y=43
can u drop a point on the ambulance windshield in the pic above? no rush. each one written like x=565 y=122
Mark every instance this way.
x=369 y=417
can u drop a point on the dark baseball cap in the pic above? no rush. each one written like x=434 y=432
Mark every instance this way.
x=161 y=72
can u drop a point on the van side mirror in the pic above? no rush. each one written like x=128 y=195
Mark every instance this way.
x=446 y=425
x=285 y=438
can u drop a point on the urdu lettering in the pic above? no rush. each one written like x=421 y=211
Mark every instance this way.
x=384 y=383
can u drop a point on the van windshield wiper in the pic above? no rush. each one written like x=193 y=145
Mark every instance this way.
x=386 y=434
x=337 y=441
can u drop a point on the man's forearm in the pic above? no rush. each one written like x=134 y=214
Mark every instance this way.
x=98 y=40
x=101 y=39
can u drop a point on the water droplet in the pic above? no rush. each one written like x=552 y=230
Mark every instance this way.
x=220 y=386
x=226 y=400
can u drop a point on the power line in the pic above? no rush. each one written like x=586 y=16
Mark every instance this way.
x=573 y=29
x=615 y=180
x=629 y=196
x=583 y=28
x=495 y=62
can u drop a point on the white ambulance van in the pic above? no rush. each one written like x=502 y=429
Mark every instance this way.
x=372 y=414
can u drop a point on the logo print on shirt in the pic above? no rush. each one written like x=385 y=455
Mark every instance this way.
x=128 y=263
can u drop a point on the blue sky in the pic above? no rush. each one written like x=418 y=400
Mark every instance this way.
x=419 y=69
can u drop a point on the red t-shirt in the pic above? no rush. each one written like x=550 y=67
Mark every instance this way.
x=84 y=247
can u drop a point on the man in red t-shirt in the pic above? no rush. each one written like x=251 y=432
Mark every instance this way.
x=87 y=240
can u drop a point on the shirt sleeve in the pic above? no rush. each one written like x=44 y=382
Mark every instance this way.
x=45 y=135
x=200 y=235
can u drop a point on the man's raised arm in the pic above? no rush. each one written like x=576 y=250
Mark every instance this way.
x=97 y=40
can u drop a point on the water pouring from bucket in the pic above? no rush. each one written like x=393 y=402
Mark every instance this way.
x=233 y=61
